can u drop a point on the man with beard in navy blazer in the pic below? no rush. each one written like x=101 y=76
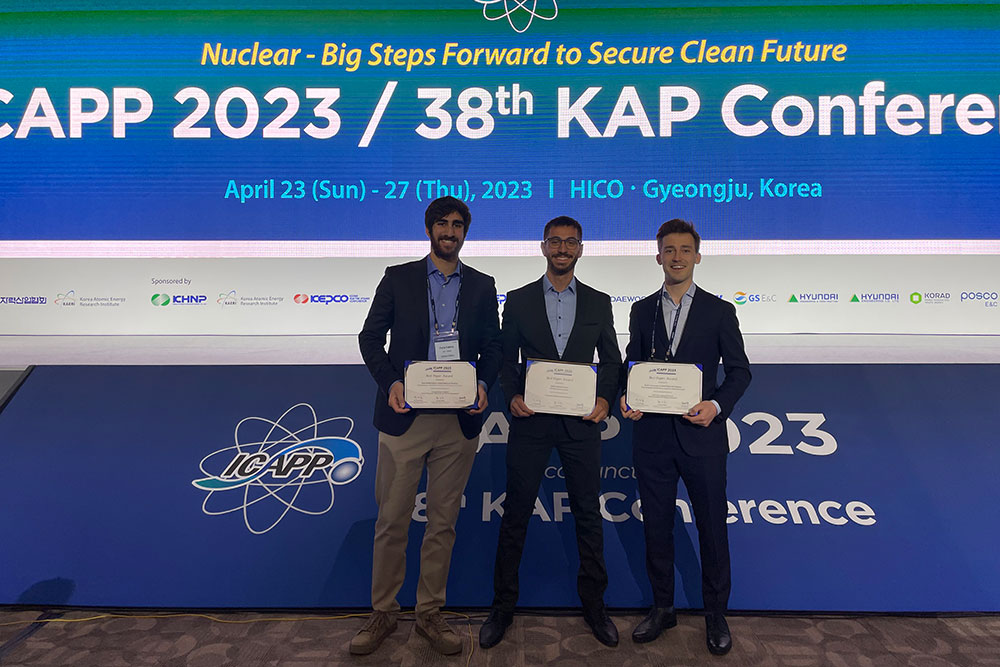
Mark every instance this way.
x=556 y=318
x=683 y=323
x=438 y=309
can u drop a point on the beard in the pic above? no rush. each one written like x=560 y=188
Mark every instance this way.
x=560 y=271
x=447 y=255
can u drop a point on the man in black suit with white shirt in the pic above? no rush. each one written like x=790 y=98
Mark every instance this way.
x=683 y=323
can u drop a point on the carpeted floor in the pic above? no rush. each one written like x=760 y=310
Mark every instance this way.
x=251 y=640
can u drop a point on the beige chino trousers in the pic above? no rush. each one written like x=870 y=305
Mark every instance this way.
x=437 y=442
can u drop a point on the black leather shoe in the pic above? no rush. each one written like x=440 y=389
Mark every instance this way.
x=494 y=627
x=602 y=626
x=717 y=634
x=657 y=620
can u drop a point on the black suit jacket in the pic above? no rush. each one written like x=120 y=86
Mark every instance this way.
x=400 y=304
x=710 y=332
x=526 y=332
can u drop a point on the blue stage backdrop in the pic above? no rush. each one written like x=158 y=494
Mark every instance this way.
x=852 y=488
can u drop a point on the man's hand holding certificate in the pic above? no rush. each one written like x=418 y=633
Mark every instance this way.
x=560 y=388
x=663 y=388
x=440 y=384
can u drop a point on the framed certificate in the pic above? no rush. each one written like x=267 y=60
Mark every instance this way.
x=440 y=384
x=663 y=387
x=560 y=388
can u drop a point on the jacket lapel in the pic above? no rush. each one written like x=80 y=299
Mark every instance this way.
x=691 y=324
x=582 y=293
x=417 y=291
x=660 y=330
x=545 y=332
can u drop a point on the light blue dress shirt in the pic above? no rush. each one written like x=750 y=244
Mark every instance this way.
x=444 y=289
x=561 y=310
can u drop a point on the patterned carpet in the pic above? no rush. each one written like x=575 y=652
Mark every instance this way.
x=250 y=640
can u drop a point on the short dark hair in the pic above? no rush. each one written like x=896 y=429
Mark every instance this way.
x=677 y=226
x=442 y=206
x=562 y=221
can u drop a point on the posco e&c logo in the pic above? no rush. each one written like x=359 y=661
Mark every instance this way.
x=989 y=299
x=280 y=467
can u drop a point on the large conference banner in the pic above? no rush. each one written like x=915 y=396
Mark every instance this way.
x=851 y=487
x=285 y=130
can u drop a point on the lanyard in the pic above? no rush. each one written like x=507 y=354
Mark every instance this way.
x=673 y=329
x=430 y=293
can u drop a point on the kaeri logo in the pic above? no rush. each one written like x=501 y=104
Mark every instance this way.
x=227 y=298
x=277 y=466
x=519 y=13
x=67 y=299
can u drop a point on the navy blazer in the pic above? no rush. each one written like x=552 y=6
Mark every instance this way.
x=527 y=335
x=400 y=305
x=711 y=332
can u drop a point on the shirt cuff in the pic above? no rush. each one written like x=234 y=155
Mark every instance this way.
x=718 y=408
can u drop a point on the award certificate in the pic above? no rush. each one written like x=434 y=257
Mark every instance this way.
x=661 y=387
x=440 y=384
x=560 y=388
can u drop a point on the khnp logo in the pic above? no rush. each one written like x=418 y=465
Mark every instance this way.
x=292 y=463
x=519 y=13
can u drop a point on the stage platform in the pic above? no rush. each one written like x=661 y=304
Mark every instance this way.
x=250 y=640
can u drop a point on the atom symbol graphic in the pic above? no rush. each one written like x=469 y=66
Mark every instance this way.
x=511 y=9
x=279 y=466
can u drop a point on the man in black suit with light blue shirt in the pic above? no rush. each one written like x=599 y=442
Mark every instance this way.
x=555 y=318
x=683 y=323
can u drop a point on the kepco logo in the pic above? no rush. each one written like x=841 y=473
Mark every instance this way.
x=519 y=13
x=278 y=466
x=327 y=299
x=324 y=299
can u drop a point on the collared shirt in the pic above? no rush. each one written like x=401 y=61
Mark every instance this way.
x=444 y=289
x=561 y=309
x=672 y=311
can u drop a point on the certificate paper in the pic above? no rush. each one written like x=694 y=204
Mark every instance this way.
x=559 y=388
x=440 y=384
x=663 y=388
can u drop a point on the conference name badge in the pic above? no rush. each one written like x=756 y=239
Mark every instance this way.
x=663 y=388
x=560 y=388
x=446 y=347
x=440 y=384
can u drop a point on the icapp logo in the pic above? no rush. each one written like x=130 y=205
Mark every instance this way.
x=160 y=299
x=278 y=466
